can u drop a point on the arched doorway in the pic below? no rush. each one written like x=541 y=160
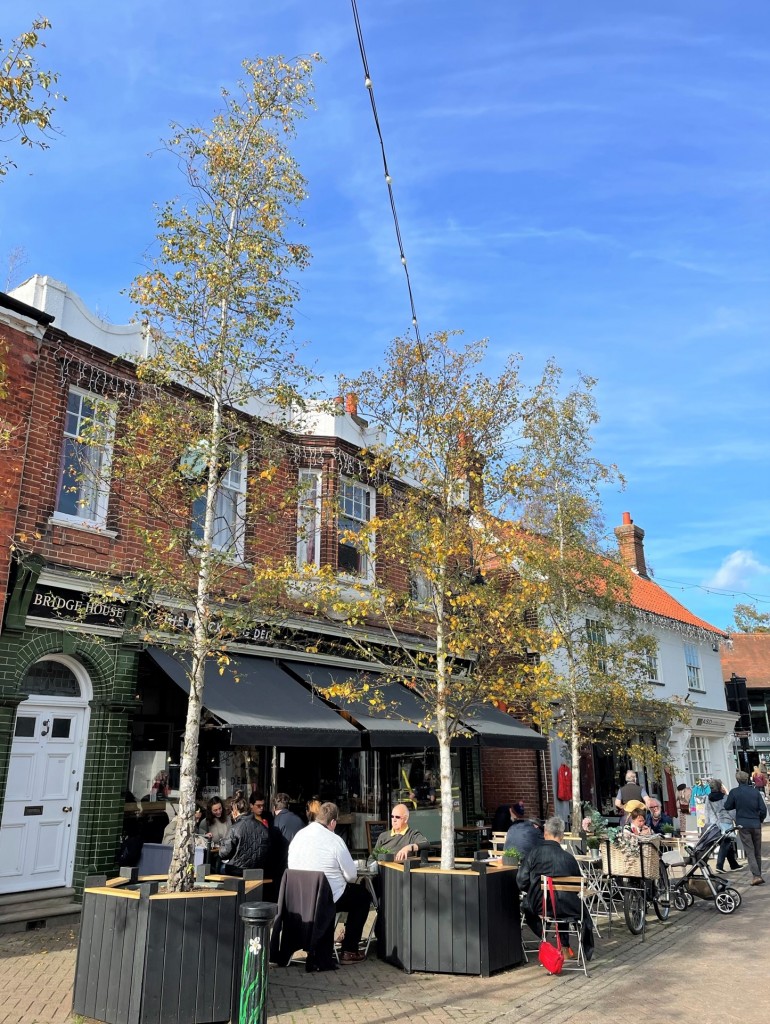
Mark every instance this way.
x=45 y=774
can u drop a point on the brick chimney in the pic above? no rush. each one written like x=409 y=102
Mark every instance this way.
x=631 y=544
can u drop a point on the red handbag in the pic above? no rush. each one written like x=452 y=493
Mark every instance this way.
x=550 y=956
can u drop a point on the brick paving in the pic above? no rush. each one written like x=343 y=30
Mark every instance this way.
x=700 y=968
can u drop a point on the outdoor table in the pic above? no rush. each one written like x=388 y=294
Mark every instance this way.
x=471 y=836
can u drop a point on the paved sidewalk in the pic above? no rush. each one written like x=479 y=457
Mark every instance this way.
x=700 y=968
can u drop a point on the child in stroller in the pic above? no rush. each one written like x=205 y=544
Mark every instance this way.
x=698 y=879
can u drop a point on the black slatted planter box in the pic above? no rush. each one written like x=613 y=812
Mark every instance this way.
x=146 y=957
x=464 y=921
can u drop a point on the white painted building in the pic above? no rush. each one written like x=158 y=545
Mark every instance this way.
x=687 y=666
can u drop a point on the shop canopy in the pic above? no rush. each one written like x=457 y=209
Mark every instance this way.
x=395 y=724
x=262 y=703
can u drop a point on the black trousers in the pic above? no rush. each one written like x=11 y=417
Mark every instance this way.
x=355 y=902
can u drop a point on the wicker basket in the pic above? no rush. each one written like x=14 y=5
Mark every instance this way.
x=629 y=864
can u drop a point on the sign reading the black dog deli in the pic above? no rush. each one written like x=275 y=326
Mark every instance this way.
x=60 y=603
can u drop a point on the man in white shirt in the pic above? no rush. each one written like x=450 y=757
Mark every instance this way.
x=317 y=848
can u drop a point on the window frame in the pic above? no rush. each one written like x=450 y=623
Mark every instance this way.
x=367 y=575
x=692 y=663
x=102 y=475
x=596 y=636
x=309 y=506
x=653 y=667
x=697 y=754
x=236 y=550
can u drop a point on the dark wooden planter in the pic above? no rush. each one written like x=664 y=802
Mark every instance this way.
x=146 y=957
x=464 y=921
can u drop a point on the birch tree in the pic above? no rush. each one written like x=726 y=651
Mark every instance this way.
x=217 y=302
x=27 y=93
x=445 y=567
x=594 y=686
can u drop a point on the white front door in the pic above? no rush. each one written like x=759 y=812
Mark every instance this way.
x=42 y=796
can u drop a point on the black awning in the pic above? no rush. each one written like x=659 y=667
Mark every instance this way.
x=497 y=729
x=263 y=704
x=396 y=725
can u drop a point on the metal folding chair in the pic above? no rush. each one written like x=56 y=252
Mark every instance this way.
x=573 y=885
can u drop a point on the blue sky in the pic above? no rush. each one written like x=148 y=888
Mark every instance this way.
x=585 y=181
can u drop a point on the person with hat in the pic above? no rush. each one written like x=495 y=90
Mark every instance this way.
x=523 y=834
x=630 y=791
x=636 y=822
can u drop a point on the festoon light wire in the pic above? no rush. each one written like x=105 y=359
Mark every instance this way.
x=388 y=180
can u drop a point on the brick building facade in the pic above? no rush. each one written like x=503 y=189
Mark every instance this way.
x=96 y=713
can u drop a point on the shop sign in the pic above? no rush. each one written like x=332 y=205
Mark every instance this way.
x=175 y=621
x=75 y=606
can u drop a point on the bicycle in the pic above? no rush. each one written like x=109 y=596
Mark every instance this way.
x=640 y=893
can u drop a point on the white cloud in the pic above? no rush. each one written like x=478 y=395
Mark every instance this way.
x=737 y=570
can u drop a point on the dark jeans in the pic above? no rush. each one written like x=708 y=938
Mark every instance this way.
x=355 y=901
x=727 y=852
x=752 y=844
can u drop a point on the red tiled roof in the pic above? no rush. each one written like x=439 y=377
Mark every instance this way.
x=749 y=659
x=648 y=596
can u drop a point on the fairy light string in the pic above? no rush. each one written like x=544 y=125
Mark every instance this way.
x=388 y=180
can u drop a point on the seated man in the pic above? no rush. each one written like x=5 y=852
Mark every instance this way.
x=401 y=840
x=317 y=848
x=247 y=843
x=550 y=859
x=656 y=819
x=523 y=834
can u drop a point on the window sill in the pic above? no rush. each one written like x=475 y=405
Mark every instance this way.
x=696 y=689
x=84 y=525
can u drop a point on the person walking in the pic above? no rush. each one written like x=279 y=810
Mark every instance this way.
x=750 y=811
x=717 y=815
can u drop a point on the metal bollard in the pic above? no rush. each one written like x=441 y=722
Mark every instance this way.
x=257 y=918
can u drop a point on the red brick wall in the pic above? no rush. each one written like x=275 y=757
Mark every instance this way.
x=32 y=477
x=18 y=352
x=508 y=775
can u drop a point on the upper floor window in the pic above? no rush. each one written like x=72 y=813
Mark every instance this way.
x=356 y=503
x=651 y=660
x=229 y=522
x=84 y=479
x=596 y=635
x=692 y=660
x=309 y=518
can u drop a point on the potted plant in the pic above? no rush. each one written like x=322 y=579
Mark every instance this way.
x=511 y=856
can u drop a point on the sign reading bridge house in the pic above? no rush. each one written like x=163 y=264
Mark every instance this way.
x=60 y=603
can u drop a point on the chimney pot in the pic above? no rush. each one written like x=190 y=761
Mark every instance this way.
x=631 y=545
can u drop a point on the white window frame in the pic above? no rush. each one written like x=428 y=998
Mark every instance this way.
x=698 y=759
x=93 y=512
x=309 y=518
x=694 y=672
x=596 y=635
x=347 y=501
x=653 y=666
x=232 y=485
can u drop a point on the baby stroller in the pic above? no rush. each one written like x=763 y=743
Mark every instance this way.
x=699 y=880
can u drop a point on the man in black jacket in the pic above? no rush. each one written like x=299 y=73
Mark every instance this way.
x=549 y=859
x=247 y=843
x=750 y=811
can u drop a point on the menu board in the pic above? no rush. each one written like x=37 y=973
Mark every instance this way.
x=374 y=830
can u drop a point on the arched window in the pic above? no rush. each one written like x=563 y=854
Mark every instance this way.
x=52 y=679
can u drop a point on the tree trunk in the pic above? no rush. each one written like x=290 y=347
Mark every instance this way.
x=444 y=754
x=577 y=809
